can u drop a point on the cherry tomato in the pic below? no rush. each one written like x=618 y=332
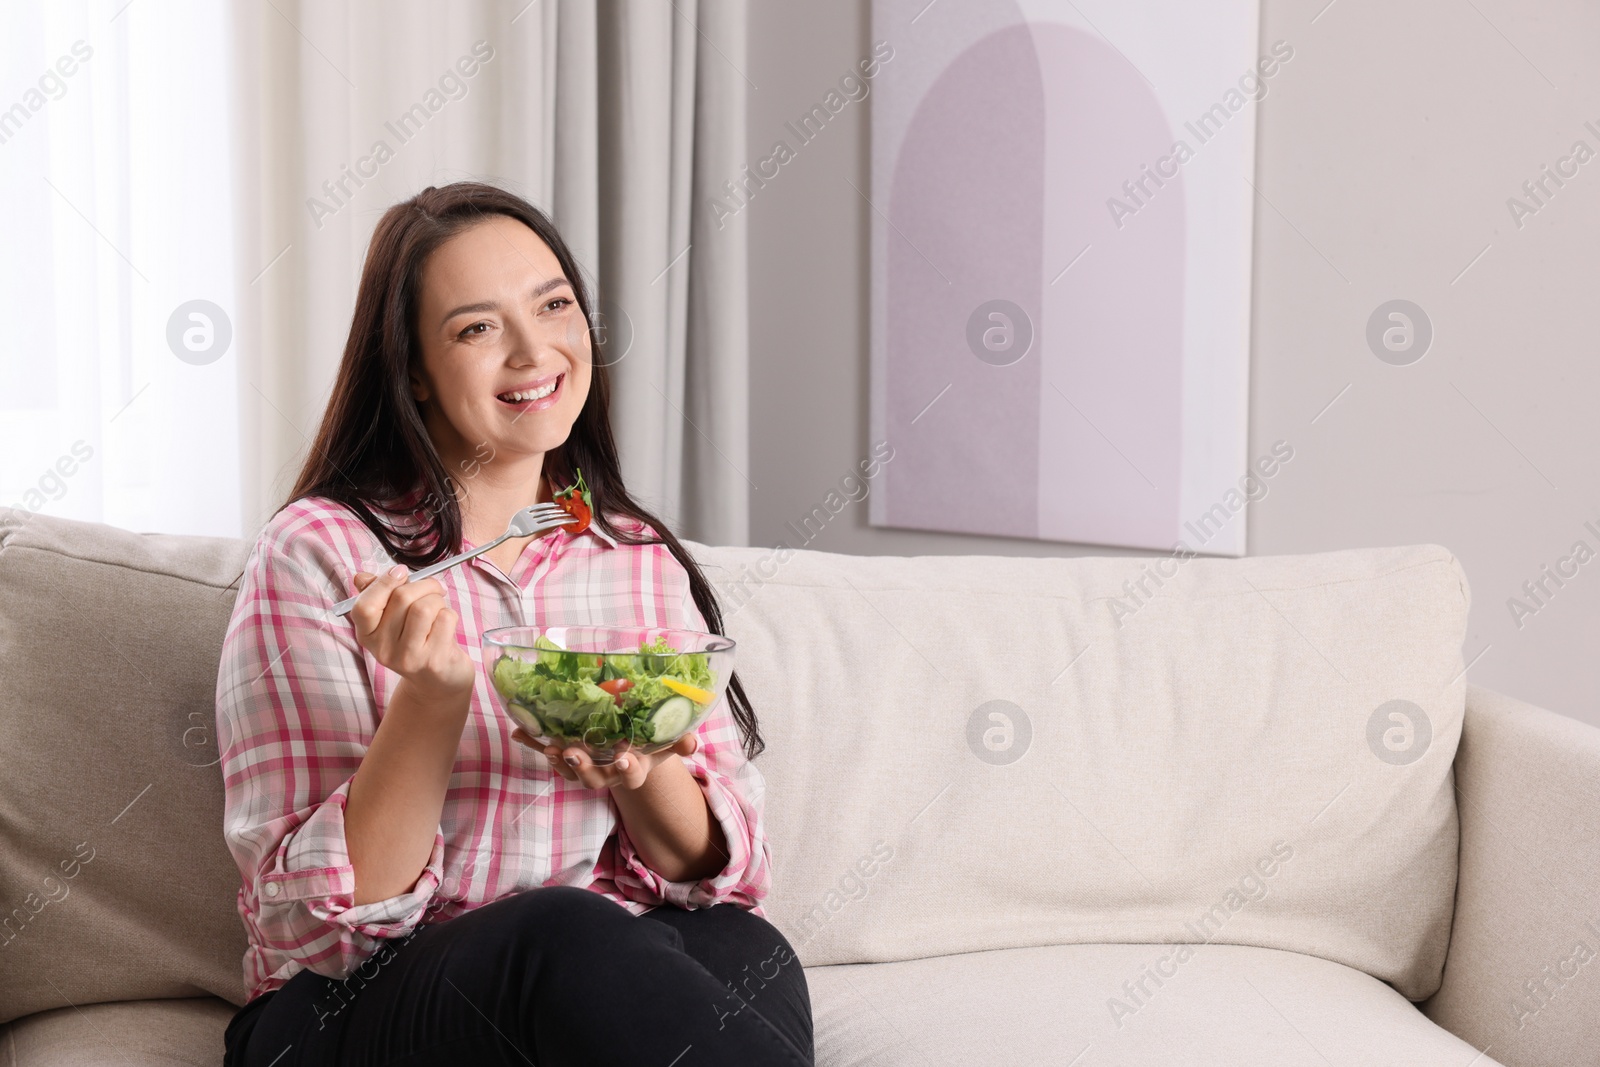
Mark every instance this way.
x=577 y=501
x=616 y=687
x=580 y=513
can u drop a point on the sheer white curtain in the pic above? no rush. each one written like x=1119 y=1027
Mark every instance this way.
x=191 y=204
x=115 y=164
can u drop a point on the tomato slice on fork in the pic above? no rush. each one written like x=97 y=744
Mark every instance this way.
x=577 y=502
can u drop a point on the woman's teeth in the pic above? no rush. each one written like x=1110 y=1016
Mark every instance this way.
x=531 y=394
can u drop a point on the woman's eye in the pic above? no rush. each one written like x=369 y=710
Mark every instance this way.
x=470 y=329
x=559 y=301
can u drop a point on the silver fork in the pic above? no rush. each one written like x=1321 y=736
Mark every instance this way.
x=534 y=519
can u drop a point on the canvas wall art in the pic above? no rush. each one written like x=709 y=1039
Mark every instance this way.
x=1061 y=200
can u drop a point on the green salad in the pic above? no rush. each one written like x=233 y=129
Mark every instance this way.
x=604 y=698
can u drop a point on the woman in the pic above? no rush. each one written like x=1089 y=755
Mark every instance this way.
x=418 y=888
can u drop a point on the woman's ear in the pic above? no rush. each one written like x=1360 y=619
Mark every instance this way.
x=419 y=389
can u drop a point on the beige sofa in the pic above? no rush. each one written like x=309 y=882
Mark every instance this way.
x=1085 y=811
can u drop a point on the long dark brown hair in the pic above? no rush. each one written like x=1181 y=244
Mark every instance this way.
x=373 y=453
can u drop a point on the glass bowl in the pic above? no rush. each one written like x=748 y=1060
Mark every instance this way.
x=608 y=689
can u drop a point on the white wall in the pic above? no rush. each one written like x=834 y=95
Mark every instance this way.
x=1387 y=150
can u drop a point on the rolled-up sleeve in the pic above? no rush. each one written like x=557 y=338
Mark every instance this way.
x=295 y=715
x=734 y=790
x=311 y=868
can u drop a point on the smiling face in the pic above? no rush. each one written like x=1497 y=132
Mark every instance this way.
x=506 y=354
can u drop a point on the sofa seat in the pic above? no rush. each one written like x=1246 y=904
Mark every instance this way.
x=129 y=1033
x=1225 y=1005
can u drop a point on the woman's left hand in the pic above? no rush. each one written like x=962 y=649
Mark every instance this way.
x=628 y=772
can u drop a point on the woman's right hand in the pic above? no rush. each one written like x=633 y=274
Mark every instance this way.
x=409 y=628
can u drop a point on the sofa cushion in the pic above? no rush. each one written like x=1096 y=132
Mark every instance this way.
x=1223 y=1006
x=977 y=752
x=1035 y=1005
x=114 y=877
x=143 y=1033
x=1005 y=1006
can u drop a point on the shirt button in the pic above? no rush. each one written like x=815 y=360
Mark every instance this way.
x=272 y=889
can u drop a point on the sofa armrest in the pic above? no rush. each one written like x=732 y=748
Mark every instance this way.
x=1522 y=976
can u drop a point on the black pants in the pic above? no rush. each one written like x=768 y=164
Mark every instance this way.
x=548 y=977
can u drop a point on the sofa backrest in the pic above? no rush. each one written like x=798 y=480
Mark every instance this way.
x=964 y=752
x=114 y=878
x=973 y=752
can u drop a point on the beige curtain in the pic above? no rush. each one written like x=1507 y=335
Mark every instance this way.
x=623 y=120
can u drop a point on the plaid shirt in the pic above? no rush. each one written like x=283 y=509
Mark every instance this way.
x=298 y=701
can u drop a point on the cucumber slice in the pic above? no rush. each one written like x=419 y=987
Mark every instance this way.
x=670 y=718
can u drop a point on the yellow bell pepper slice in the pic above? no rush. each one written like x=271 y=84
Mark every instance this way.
x=693 y=692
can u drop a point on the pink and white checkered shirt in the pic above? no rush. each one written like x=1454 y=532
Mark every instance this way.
x=298 y=701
